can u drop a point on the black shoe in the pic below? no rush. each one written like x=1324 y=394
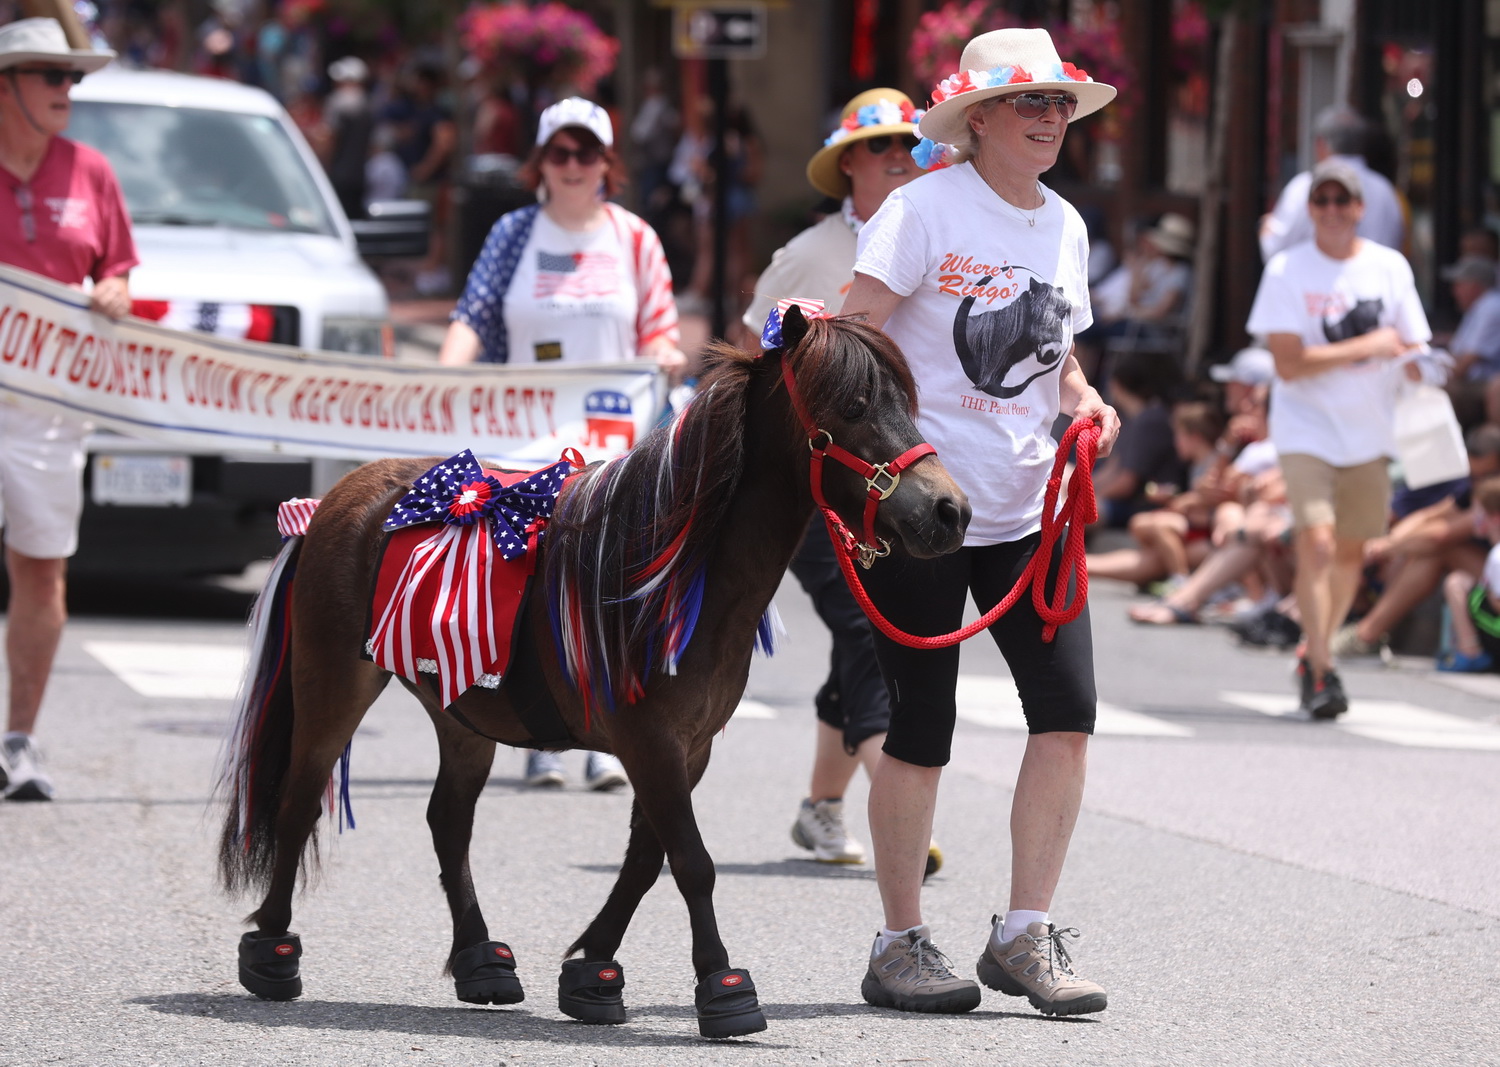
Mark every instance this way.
x=1327 y=700
x=1304 y=682
x=1271 y=630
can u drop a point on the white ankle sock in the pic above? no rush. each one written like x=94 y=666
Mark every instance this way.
x=1015 y=923
x=886 y=936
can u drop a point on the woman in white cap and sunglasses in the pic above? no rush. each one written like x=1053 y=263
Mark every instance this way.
x=62 y=216
x=979 y=272
x=574 y=279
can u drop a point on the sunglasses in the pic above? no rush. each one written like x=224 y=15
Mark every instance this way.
x=52 y=76
x=1341 y=200
x=1034 y=105
x=25 y=202
x=587 y=156
x=879 y=146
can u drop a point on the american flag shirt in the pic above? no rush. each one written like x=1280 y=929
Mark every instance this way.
x=594 y=297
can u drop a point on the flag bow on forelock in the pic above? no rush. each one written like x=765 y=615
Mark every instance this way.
x=770 y=337
x=459 y=493
x=458 y=634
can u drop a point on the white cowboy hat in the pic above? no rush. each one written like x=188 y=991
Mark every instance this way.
x=575 y=111
x=1007 y=61
x=43 y=41
x=873 y=113
x=1172 y=235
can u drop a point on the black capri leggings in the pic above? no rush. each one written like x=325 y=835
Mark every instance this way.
x=927 y=597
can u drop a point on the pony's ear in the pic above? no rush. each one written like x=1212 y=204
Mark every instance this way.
x=793 y=327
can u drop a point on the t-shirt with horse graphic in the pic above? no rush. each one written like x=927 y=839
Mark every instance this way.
x=993 y=298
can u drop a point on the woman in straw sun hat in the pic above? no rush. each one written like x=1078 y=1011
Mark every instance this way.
x=979 y=272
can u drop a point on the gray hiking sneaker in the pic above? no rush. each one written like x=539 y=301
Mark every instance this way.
x=1347 y=644
x=603 y=772
x=544 y=769
x=1035 y=965
x=820 y=829
x=25 y=777
x=912 y=975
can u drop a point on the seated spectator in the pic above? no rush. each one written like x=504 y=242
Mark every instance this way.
x=1144 y=454
x=1475 y=345
x=1421 y=548
x=1146 y=295
x=1474 y=599
x=1173 y=538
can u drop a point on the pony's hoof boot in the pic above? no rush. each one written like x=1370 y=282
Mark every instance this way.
x=592 y=991
x=727 y=1006
x=486 y=974
x=268 y=965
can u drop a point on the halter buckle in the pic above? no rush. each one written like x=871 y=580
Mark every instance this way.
x=868 y=554
x=872 y=483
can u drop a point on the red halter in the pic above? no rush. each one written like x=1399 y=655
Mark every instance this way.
x=881 y=479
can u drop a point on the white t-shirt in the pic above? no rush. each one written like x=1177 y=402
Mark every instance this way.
x=969 y=264
x=1492 y=572
x=1344 y=416
x=817 y=263
x=573 y=297
x=1289 y=223
x=1478 y=334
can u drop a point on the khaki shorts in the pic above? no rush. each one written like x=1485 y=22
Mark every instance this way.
x=1355 y=501
x=41 y=480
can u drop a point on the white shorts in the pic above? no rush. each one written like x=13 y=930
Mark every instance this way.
x=41 y=480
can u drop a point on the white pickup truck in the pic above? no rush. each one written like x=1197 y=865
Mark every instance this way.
x=239 y=233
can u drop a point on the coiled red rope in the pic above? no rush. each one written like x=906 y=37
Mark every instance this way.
x=1078 y=511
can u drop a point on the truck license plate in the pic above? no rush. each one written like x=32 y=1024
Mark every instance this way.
x=142 y=481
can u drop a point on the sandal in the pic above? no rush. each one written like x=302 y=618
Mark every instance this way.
x=1161 y=613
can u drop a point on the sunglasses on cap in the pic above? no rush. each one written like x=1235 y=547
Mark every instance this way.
x=879 y=146
x=1338 y=200
x=587 y=156
x=52 y=75
x=1034 y=105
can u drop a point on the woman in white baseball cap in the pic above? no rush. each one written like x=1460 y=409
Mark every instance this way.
x=575 y=279
x=979 y=272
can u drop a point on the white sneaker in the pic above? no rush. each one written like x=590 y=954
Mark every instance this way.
x=604 y=772
x=544 y=769
x=820 y=829
x=25 y=778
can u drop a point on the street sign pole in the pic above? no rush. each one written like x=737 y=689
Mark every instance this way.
x=718 y=90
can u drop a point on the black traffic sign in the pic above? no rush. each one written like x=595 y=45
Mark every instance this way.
x=719 y=31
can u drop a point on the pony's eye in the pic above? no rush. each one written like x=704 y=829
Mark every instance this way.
x=857 y=409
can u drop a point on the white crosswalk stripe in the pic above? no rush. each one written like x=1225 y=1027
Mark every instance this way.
x=1393 y=721
x=173 y=669
x=988 y=700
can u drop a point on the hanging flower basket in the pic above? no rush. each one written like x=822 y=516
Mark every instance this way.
x=549 y=44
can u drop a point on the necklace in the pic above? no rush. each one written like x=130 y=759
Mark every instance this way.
x=1031 y=218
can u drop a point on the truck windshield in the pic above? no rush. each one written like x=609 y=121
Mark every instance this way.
x=189 y=167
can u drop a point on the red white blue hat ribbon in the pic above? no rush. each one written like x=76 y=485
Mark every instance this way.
x=770 y=336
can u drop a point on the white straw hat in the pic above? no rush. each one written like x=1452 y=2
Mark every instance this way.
x=43 y=41
x=1007 y=61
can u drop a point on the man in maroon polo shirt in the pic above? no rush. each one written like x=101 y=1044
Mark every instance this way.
x=61 y=215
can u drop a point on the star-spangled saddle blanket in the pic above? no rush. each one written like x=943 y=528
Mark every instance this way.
x=455 y=571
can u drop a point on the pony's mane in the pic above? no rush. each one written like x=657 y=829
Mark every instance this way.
x=629 y=541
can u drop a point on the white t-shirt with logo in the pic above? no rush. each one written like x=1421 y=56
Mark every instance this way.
x=1344 y=416
x=970 y=265
x=573 y=297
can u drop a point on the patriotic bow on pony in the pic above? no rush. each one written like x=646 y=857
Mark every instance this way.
x=770 y=337
x=458 y=492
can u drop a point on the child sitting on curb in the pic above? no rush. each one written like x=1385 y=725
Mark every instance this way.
x=1474 y=606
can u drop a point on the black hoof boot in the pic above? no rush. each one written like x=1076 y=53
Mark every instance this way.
x=592 y=991
x=486 y=974
x=268 y=965
x=727 y=1006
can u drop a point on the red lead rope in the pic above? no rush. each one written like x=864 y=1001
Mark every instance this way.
x=1080 y=505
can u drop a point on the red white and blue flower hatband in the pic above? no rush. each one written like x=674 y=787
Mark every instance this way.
x=459 y=493
x=934 y=155
x=881 y=113
x=770 y=335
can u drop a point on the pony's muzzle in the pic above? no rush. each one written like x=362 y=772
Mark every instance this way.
x=933 y=512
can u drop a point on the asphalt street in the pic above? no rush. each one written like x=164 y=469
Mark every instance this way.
x=1251 y=889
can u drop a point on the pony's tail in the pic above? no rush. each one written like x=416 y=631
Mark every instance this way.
x=259 y=746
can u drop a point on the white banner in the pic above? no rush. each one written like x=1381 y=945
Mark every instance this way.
x=203 y=393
